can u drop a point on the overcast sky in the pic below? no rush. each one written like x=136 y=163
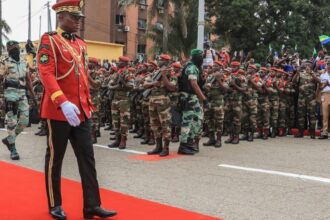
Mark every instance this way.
x=15 y=12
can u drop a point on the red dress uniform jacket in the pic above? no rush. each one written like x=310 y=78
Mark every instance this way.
x=62 y=65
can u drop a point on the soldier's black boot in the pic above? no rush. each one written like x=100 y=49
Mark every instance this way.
x=152 y=139
x=122 y=144
x=211 y=141
x=266 y=134
x=43 y=129
x=158 y=148
x=274 y=133
x=98 y=132
x=176 y=134
x=259 y=135
x=147 y=137
x=230 y=139
x=312 y=133
x=244 y=137
x=250 y=136
x=218 y=143
x=185 y=149
x=116 y=143
x=2 y=123
x=11 y=147
x=136 y=128
x=195 y=145
x=235 y=139
x=139 y=134
x=108 y=128
x=165 y=151
x=38 y=132
x=300 y=134
x=205 y=130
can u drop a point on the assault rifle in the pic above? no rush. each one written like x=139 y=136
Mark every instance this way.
x=156 y=78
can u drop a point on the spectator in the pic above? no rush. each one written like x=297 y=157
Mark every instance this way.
x=325 y=99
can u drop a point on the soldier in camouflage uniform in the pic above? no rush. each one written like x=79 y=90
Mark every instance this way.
x=274 y=103
x=307 y=82
x=107 y=97
x=39 y=90
x=175 y=111
x=216 y=88
x=190 y=96
x=160 y=84
x=2 y=102
x=234 y=103
x=17 y=80
x=250 y=104
x=95 y=84
x=148 y=134
x=122 y=85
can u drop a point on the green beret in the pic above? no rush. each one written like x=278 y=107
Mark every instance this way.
x=11 y=43
x=196 y=52
x=258 y=65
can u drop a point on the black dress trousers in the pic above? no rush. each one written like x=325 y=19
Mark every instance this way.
x=59 y=132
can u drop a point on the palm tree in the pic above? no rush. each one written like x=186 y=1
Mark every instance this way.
x=5 y=30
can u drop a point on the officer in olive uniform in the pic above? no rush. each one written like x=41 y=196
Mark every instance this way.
x=16 y=81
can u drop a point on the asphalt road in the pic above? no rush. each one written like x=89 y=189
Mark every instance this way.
x=199 y=184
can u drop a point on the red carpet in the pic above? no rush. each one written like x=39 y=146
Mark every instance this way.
x=154 y=158
x=23 y=197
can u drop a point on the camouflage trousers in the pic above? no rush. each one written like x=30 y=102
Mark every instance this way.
x=16 y=106
x=96 y=114
x=120 y=115
x=160 y=116
x=2 y=107
x=233 y=112
x=286 y=113
x=192 y=116
x=214 y=117
x=263 y=112
x=249 y=114
x=306 y=107
x=274 y=106
x=145 y=114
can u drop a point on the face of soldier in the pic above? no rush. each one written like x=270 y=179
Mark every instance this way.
x=69 y=22
x=15 y=53
x=197 y=60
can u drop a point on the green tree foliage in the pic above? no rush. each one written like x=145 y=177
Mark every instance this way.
x=252 y=25
x=5 y=30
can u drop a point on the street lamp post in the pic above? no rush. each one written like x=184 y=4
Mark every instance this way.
x=201 y=24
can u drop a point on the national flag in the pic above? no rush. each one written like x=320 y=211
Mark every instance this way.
x=314 y=52
x=324 y=39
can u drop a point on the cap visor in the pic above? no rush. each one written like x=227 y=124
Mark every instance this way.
x=80 y=14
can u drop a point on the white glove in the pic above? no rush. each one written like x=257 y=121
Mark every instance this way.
x=71 y=113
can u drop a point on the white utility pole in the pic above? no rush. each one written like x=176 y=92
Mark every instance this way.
x=201 y=24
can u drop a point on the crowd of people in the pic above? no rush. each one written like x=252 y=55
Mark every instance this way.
x=245 y=99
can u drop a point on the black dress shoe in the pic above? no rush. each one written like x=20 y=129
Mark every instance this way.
x=57 y=213
x=323 y=137
x=98 y=211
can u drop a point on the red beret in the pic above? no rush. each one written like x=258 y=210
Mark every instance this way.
x=273 y=69
x=263 y=69
x=252 y=67
x=218 y=63
x=165 y=57
x=177 y=65
x=131 y=69
x=146 y=64
x=241 y=71
x=93 y=60
x=235 y=63
x=153 y=63
x=123 y=59
x=114 y=68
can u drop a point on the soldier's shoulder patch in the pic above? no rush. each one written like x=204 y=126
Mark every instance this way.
x=44 y=58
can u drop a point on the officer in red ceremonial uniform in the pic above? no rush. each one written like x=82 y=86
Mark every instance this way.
x=67 y=107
